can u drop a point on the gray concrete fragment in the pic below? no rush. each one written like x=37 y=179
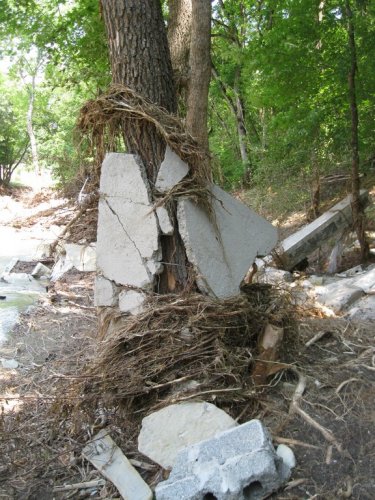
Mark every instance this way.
x=131 y=301
x=106 y=292
x=272 y=276
x=237 y=464
x=82 y=257
x=363 y=309
x=188 y=423
x=222 y=253
x=165 y=223
x=171 y=171
x=41 y=270
x=338 y=296
x=366 y=281
x=299 y=245
x=128 y=235
x=107 y=457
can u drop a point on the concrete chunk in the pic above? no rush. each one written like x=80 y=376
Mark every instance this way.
x=299 y=245
x=107 y=457
x=171 y=171
x=106 y=292
x=222 y=253
x=188 y=423
x=338 y=296
x=131 y=301
x=128 y=235
x=41 y=270
x=165 y=223
x=82 y=257
x=237 y=464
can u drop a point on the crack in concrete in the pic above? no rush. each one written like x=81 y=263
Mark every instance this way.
x=143 y=260
x=104 y=196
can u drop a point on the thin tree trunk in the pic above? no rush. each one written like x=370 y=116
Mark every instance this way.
x=200 y=71
x=30 y=127
x=179 y=39
x=357 y=207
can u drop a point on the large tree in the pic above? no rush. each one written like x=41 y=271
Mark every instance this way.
x=140 y=59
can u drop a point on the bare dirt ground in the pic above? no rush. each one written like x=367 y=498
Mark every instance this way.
x=322 y=405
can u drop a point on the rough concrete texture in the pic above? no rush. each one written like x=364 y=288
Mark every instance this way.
x=172 y=171
x=272 y=276
x=363 y=309
x=302 y=243
x=338 y=296
x=82 y=257
x=165 y=223
x=127 y=226
x=237 y=464
x=222 y=255
x=106 y=292
x=187 y=423
x=365 y=281
x=131 y=301
x=107 y=457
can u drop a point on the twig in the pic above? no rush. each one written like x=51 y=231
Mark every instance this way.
x=295 y=408
x=80 y=486
x=328 y=459
x=343 y=384
x=295 y=442
x=315 y=338
x=293 y=484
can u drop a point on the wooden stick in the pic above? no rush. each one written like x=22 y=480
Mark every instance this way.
x=80 y=486
x=295 y=442
x=315 y=338
x=343 y=384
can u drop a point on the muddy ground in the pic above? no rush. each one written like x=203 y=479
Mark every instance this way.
x=42 y=429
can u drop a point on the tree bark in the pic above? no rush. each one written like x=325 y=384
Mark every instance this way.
x=200 y=71
x=30 y=127
x=179 y=37
x=140 y=59
x=357 y=207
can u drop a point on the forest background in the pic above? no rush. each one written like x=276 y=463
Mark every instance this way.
x=279 y=101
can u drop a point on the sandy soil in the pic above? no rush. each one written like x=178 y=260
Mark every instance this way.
x=330 y=426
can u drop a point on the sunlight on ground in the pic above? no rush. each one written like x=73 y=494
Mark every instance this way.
x=10 y=403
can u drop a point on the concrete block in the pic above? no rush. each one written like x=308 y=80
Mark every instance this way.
x=272 y=276
x=299 y=245
x=82 y=257
x=237 y=464
x=222 y=252
x=128 y=234
x=338 y=296
x=165 y=223
x=131 y=301
x=363 y=309
x=188 y=423
x=106 y=292
x=172 y=170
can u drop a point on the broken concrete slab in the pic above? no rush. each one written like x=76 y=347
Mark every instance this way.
x=363 y=309
x=131 y=301
x=237 y=464
x=41 y=270
x=299 y=245
x=188 y=423
x=82 y=257
x=128 y=234
x=338 y=296
x=166 y=226
x=365 y=281
x=105 y=292
x=172 y=170
x=107 y=457
x=223 y=251
x=272 y=276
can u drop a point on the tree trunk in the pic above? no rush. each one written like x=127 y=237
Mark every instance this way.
x=358 y=209
x=200 y=71
x=179 y=36
x=140 y=59
x=30 y=127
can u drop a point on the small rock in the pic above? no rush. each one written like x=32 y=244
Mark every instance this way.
x=188 y=423
x=41 y=270
x=9 y=364
x=131 y=301
x=106 y=292
x=287 y=455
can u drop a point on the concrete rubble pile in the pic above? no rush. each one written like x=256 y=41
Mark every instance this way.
x=220 y=248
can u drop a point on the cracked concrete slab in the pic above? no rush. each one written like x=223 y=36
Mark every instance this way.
x=172 y=170
x=222 y=255
x=128 y=234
